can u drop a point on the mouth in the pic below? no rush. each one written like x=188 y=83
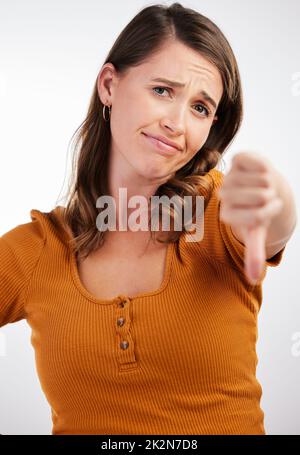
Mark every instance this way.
x=161 y=146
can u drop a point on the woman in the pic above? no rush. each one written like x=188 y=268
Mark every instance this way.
x=134 y=332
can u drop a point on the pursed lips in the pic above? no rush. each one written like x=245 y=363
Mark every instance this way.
x=164 y=141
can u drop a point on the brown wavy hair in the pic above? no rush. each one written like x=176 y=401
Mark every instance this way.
x=145 y=34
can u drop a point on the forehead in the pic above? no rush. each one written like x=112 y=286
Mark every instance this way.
x=179 y=62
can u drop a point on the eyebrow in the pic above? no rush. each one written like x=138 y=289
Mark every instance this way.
x=179 y=84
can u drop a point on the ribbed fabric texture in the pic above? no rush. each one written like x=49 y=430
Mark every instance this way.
x=183 y=361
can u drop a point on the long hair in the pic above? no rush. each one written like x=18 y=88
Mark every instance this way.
x=144 y=35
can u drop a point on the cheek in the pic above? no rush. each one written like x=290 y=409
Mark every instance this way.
x=123 y=122
x=130 y=109
x=194 y=144
x=197 y=141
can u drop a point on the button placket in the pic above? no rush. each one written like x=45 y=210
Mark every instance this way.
x=125 y=344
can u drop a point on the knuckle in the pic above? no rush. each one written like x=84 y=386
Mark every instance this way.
x=237 y=159
x=266 y=195
x=258 y=216
x=266 y=180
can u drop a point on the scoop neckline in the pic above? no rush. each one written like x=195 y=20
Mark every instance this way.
x=79 y=285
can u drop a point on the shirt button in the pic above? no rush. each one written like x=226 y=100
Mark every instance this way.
x=124 y=344
x=120 y=322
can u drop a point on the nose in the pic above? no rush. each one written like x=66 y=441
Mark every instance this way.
x=175 y=118
x=174 y=127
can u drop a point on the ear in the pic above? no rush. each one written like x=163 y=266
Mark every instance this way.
x=106 y=82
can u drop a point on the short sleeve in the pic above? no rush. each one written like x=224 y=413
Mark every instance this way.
x=20 y=249
x=221 y=241
x=237 y=249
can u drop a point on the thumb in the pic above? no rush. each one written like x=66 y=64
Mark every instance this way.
x=255 y=252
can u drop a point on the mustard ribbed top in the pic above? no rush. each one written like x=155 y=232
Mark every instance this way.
x=183 y=361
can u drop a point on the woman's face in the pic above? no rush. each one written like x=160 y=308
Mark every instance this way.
x=141 y=105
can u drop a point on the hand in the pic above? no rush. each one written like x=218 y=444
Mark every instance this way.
x=249 y=202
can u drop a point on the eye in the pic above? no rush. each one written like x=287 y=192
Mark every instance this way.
x=203 y=107
x=162 y=88
x=169 y=90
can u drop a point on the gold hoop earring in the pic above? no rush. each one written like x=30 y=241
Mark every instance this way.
x=103 y=113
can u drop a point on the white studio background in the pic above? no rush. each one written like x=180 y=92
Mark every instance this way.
x=50 y=55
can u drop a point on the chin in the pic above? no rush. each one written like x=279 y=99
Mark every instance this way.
x=151 y=171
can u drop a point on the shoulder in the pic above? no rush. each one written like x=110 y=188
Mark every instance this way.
x=26 y=240
x=27 y=235
x=214 y=179
x=216 y=176
x=20 y=250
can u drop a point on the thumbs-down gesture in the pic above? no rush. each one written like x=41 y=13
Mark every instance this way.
x=250 y=202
